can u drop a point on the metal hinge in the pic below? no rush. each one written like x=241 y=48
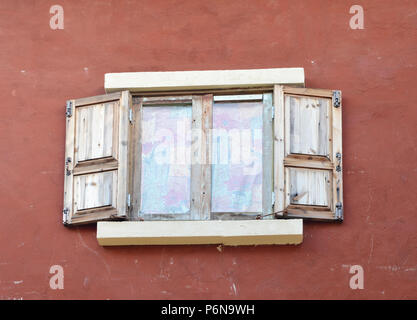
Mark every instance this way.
x=65 y=216
x=339 y=160
x=273 y=112
x=339 y=211
x=130 y=115
x=67 y=162
x=68 y=112
x=128 y=201
x=273 y=198
x=336 y=98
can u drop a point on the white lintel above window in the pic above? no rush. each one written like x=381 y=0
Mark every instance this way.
x=207 y=79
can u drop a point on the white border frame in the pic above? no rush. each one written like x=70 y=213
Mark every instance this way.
x=196 y=80
x=229 y=232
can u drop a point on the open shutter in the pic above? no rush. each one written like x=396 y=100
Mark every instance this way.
x=308 y=153
x=96 y=158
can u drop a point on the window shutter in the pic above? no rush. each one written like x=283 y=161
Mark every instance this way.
x=308 y=153
x=96 y=158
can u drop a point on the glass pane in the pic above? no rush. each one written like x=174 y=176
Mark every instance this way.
x=237 y=157
x=166 y=159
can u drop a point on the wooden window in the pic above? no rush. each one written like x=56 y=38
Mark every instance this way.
x=171 y=173
x=242 y=156
x=273 y=153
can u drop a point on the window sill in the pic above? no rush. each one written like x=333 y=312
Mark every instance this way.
x=233 y=233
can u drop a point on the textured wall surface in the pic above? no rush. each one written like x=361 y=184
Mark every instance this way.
x=375 y=68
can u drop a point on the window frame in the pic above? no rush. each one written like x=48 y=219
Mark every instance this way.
x=200 y=192
x=201 y=172
x=212 y=82
x=280 y=155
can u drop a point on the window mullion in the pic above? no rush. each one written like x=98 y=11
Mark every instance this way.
x=202 y=124
x=267 y=155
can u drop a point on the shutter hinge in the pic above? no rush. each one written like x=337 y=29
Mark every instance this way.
x=130 y=115
x=65 y=216
x=273 y=112
x=339 y=160
x=339 y=211
x=273 y=198
x=128 y=201
x=67 y=162
x=336 y=98
x=68 y=112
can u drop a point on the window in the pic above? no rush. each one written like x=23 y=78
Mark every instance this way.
x=236 y=155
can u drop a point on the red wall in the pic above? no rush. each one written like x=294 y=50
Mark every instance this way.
x=375 y=68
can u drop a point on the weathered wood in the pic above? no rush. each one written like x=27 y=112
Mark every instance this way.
x=337 y=148
x=94 y=125
x=310 y=213
x=206 y=152
x=98 y=165
x=308 y=130
x=94 y=215
x=235 y=216
x=95 y=190
x=307 y=91
x=96 y=156
x=218 y=91
x=69 y=166
x=136 y=155
x=123 y=149
x=202 y=124
x=267 y=154
x=167 y=100
x=309 y=187
x=279 y=143
x=115 y=96
x=312 y=140
x=308 y=163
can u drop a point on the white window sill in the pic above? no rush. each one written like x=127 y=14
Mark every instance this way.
x=206 y=79
x=231 y=232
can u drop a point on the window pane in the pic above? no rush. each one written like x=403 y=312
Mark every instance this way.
x=237 y=157
x=166 y=159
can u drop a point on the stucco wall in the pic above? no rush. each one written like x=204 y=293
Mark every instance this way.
x=375 y=68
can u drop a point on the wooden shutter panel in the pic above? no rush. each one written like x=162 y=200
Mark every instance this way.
x=96 y=158
x=308 y=180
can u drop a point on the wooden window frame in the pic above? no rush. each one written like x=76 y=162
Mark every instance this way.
x=266 y=97
x=200 y=87
x=200 y=172
x=276 y=156
x=201 y=168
